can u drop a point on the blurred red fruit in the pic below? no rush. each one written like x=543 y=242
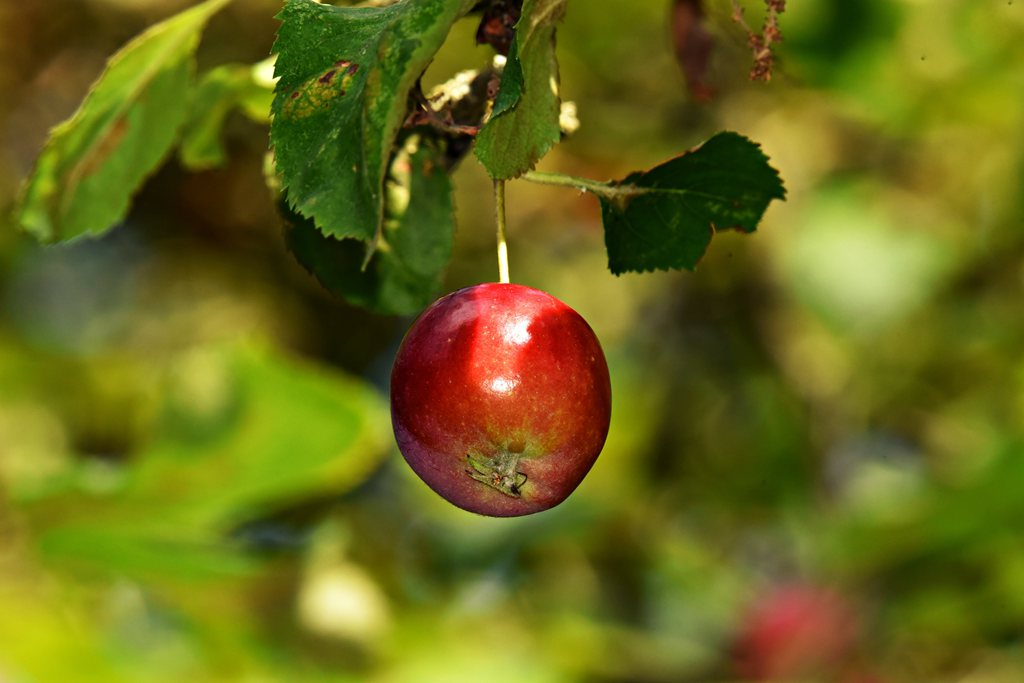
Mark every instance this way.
x=797 y=632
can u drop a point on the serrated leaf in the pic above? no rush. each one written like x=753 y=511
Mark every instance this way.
x=523 y=124
x=664 y=218
x=219 y=92
x=405 y=273
x=94 y=162
x=345 y=75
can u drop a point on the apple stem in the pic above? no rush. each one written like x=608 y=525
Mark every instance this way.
x=499 y=201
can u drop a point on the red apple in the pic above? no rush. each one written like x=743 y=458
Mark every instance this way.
x=798 y=632
x=500 y=399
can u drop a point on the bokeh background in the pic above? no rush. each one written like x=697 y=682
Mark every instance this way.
x=816 y=462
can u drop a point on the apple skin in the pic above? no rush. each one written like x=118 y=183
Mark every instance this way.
x=500 y=399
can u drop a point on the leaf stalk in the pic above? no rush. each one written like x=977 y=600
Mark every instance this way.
x=563 y=180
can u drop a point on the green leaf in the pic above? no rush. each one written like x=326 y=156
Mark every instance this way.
x=285 y=430
x=664 y=218
x=405 y=273
x=244 y=431
x=219 y=92
x=345 y=75
x=94 y=162
x=523 y=125
x=941 y=521
x=138 y=545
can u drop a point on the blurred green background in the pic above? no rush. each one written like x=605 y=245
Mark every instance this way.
x=197 y=476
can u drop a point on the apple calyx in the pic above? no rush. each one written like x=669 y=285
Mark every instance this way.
x=500 y=471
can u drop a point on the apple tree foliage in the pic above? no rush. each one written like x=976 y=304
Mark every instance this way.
x=361 y=156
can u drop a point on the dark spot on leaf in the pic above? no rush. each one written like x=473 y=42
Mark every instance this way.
x=320 y=90
x=105 y=147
